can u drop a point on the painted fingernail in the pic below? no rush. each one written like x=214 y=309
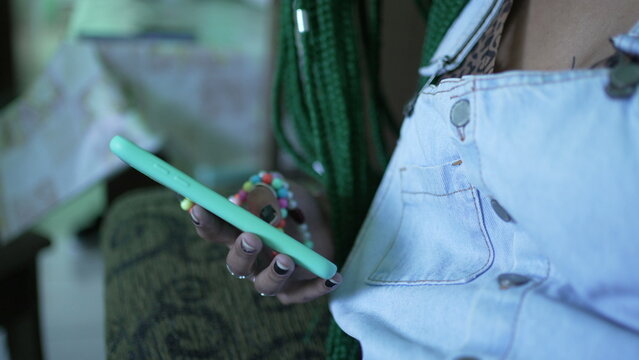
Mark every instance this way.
x=194 y=218
x=330 y=283
x=280 y=268
x=247 y=247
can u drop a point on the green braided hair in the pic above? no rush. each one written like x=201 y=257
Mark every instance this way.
x=319 y=83
x=329 y=113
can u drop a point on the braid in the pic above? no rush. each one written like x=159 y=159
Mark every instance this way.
x=337 y=110
x=319 y=83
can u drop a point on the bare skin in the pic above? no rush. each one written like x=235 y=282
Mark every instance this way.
x=539 y=35
x=548 y=34
x=249 y=257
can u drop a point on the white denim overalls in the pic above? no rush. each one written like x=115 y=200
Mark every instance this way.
x=507 y=224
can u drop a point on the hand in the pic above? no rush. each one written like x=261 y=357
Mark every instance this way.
x=278 y=275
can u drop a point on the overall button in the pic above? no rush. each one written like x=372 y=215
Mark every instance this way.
x=508 y=280
x=624 y=78
x=460 y=113
x=500 y=211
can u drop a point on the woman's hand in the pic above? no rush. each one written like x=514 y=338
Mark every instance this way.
x=250 y=258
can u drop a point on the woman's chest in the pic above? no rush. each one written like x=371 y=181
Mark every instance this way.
x=554 y=35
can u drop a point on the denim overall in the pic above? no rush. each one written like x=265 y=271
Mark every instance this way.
x=507 y=223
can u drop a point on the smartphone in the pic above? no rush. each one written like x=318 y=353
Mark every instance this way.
x=174 y=179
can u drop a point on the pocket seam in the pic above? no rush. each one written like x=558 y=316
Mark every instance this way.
x=437 y=195
x=404 y=171
x=484 y=267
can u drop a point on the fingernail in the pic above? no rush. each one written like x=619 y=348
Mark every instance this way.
x=330 y=283
x=280 y=268
x=247 y=247
x=194 y=218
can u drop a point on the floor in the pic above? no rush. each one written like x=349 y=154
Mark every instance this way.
x=71 y=284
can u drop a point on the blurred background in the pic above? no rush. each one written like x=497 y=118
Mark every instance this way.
x=186 y=79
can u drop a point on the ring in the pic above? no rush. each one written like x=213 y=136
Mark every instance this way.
x=288 y=206
x=266 y=295
x=241 y=277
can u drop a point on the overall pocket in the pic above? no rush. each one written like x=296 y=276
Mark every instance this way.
x=442 y=238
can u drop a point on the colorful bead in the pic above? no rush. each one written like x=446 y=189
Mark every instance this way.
x=277 y=183
x=286 y=202
x=282 y=193
x=248 y=186
x=186 y=204
x=306 y=236
x=283 y=203
x=297 y=215
x=267 y=178
x=235 y=199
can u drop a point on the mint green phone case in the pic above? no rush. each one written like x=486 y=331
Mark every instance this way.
x=174 y=179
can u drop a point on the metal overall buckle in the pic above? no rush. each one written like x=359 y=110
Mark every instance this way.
x=623 y=77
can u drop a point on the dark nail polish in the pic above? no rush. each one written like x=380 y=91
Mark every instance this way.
x=329 y=283
x=268 y=213
x=194 y=219
x=279 y=268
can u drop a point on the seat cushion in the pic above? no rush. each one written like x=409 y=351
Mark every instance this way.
x=169 y=295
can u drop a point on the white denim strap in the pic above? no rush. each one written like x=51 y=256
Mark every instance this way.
x=628 y=42
x=462 y=36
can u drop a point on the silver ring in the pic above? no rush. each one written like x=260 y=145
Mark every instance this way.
x=263 y=294
x=241 y=277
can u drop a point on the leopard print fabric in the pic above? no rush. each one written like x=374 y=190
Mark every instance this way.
x=481 y=59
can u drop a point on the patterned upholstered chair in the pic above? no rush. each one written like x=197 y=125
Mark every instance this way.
x=169 y=296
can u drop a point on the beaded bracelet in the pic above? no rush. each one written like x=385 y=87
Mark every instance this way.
x=285 y=198
x=288 y=206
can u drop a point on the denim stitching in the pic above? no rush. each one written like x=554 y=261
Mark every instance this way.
x=392 y=244
x=519 y=307
x=405 y=168
x=529 y=85
x=419 y=137
x=464 y=280
x=474 y=120
x=490 y=13
x=538 y=74
x=364 y=231
x=465 y=82
x=527 y=74
x=437 y=195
